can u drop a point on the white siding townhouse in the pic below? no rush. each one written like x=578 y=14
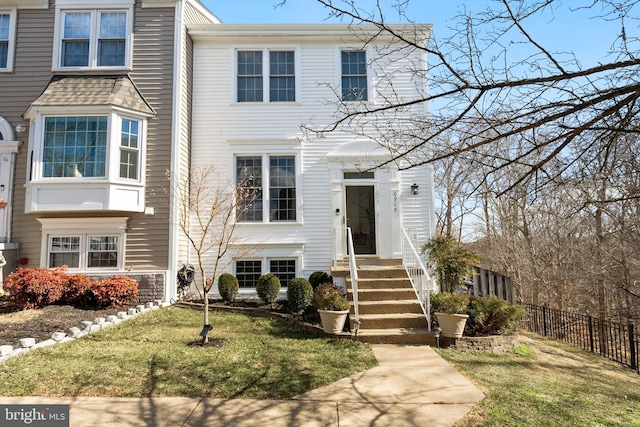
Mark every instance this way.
x=255 y=88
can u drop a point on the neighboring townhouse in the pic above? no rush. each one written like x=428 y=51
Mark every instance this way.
x=256 y=85
x=95 y=108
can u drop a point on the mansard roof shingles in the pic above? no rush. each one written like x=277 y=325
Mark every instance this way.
x=93 y=90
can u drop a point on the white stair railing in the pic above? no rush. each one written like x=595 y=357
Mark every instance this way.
x=343 y=235
x=418 y=274
x=353 y=271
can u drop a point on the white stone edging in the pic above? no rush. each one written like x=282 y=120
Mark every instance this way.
x=86 y=327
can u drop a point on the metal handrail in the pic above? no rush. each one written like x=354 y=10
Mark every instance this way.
x=419 y=276
x=353 y=271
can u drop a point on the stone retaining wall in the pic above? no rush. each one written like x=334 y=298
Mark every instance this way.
x=492 y=344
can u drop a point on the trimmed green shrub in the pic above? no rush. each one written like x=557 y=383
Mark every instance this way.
x=299 y=294
x=328 y=296
x=317 y=278
x=228 y=287
x=492 y=316
x=449 y=302
x=268 y=287
x=36 y=287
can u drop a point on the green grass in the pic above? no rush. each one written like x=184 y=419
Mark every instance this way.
x=549 y=383
x=151 y=356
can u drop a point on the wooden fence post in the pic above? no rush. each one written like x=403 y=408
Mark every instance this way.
x=632 y=348
x=591 y=334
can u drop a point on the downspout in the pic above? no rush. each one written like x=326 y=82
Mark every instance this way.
x=178 y=47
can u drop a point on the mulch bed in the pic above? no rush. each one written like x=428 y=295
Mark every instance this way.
x=43 y=322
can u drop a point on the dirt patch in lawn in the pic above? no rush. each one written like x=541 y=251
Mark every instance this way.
x=43 y=322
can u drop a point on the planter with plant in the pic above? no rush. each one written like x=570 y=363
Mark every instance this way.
x=453 y=262
x=450 y=309
x=332 y=305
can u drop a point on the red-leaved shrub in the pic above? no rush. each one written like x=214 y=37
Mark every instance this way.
x=36 y=287
x=114 y=292
x=76 y=287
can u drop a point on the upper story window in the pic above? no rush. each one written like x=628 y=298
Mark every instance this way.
x=266 y=75
x=7 y=40
x=354 y=75
x=91 y=39
x=273 y=186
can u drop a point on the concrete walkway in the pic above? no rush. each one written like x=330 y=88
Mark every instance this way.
x=412 y=386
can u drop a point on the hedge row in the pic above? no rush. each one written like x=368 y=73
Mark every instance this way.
x=38 y=287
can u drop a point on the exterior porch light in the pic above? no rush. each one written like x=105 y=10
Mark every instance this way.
x=414 y=189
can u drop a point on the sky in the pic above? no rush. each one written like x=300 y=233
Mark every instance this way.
x=559 y=30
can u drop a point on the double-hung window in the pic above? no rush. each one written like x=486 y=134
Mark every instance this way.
x=273 y=186
x=83 y=251
x=129 y=149
x=84 y=243
x=7 y=40
x=266 y=75
x=93 y=39
x=354 y=75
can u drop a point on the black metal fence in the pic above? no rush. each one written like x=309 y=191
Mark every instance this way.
x=613 y=340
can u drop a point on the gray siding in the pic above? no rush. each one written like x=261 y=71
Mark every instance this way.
x=148 y=236
x=32 y=72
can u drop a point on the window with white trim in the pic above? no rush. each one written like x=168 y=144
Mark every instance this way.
x=7 y=39
x=93 y=39
x=79 y=147
x=272 y=79
x=273 y=186
x=354 y=75
x=249 y=271
x=129 y=149
x=284 y=269
x=84 y=243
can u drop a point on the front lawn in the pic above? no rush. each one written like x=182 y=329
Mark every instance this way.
x=549 y=383
x=151 y=356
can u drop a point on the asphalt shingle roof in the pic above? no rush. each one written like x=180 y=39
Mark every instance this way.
x=105 y=90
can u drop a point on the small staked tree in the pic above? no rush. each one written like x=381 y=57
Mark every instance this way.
x=208 y=206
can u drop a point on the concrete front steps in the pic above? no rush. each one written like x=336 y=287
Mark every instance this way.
x=389 y=309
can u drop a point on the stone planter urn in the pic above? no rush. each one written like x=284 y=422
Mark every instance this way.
x=333 y=321
x=452 y=325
